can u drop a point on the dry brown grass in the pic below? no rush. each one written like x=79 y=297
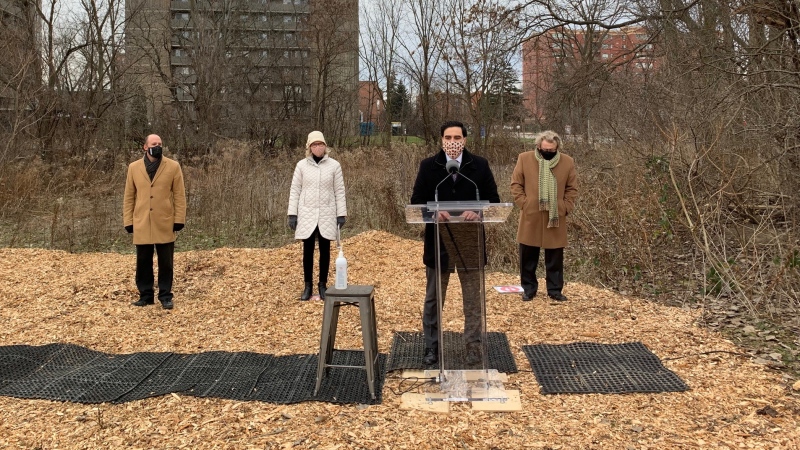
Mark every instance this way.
x=627 y=234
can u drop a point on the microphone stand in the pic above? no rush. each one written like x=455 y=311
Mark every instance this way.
x=477 y=192
x=436 y=189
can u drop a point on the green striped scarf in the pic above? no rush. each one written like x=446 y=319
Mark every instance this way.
x=548 y=188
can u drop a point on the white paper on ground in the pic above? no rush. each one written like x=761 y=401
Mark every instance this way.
x=509 y=289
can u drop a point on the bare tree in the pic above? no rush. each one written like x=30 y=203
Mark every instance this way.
x=234 y=69
x=20 y=79
x=75 y=76
x=476 y=51
x=380 y=38
x=716 y=122
x=332 y=31
x=420 y=58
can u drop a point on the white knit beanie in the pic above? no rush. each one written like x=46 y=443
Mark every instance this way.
x=315 y=136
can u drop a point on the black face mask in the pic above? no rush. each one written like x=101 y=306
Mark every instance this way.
x=155 y=152
x=548 y=155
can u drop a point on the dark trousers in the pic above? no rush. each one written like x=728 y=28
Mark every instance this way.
x=144 y=271
x=553 y=264
x=324 y=257
x=471 y=295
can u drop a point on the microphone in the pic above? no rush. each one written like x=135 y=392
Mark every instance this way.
x=452 y=167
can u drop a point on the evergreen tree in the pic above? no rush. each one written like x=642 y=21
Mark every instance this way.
x=503 y=102
x=397 y=100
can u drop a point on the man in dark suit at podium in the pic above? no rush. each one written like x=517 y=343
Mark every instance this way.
x=433 y=171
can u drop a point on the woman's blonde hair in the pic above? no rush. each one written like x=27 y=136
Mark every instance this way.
x=549 y=136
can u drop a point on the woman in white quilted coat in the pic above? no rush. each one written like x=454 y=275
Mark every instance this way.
x=317 y=207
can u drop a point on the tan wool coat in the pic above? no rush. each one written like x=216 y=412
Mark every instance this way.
x=533 y=229
x=153 y=207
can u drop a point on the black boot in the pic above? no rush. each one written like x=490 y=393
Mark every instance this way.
x=306 y=292
x=431 y=356
x=143 y=302
x=322 y=288
x=474 y=354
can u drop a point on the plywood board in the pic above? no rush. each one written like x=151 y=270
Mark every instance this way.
x=512 y=403
x=419 y=402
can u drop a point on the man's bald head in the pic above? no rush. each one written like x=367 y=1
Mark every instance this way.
x=152 y=141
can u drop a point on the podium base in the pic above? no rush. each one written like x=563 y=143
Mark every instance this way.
x=466 y=386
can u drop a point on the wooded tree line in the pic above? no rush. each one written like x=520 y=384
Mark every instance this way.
x=716 y=123
x=453 y=59
x=717 y=126
x=71 y=74
x=103 y=74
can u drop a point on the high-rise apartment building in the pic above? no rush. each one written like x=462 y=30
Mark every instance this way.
x=247 y=67
x=558 y=51
x=20 y=61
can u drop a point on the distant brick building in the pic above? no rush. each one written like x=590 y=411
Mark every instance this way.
x=625 y=50
x=371 y=105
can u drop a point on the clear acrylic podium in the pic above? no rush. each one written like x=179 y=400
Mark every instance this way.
x=460 y=248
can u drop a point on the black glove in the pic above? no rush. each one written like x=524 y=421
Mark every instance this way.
x=293 y=222
x=129 y=228
x=340 y=221
x=177 y=226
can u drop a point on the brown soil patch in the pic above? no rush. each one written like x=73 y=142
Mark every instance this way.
x=245 y=300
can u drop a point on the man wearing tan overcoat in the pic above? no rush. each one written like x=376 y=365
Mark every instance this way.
x=545 y=186
x=154 y=209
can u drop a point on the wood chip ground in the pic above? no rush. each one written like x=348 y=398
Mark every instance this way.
x=246 y=300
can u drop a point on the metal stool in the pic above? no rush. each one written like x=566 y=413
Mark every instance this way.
x=361 y=296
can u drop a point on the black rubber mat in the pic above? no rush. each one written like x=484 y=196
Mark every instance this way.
x=288 y=379
x=408 y=348
x=211 y=374
x=292 y=379
x=72 y=373
x=587 y=367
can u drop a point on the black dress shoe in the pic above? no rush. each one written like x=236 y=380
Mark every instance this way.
x=558 y=296
x=431 y=356
x=167 y=304
x=322 y=288
x=142 y=302
x=528 y=297
x=306 y=292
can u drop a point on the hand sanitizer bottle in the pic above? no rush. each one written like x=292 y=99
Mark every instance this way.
x=341 y=271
